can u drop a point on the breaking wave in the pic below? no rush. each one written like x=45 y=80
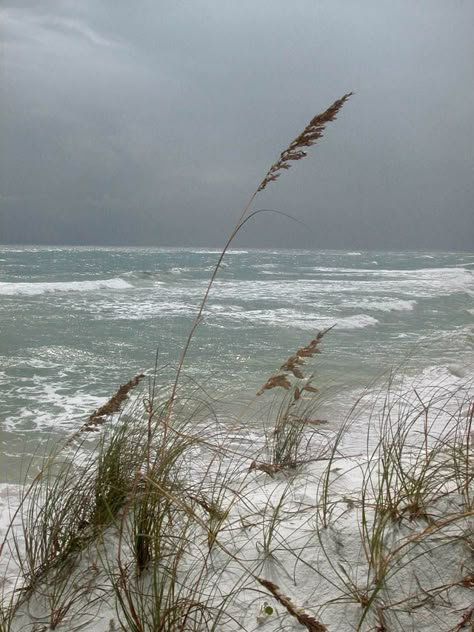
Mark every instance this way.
x=35 y=289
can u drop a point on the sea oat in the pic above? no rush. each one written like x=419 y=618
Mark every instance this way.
x=295 y=151
x=308 y=137
x=275 y=381
x=300 y=615
x=113 y=405
x=292 y=364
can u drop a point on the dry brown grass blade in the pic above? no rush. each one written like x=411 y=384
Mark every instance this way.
x=466 y=620
x=113 y=405
x=292 y=364
x=274 y=382
x=268 y=468
x=310 y=623
x=296 y=150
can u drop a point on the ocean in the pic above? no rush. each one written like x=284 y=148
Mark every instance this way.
x=76 y=322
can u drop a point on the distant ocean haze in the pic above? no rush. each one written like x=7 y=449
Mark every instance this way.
x=76 y=322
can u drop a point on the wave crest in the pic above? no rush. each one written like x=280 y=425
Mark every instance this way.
x=45 y=287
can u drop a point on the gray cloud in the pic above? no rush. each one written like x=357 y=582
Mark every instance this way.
x=152 y=123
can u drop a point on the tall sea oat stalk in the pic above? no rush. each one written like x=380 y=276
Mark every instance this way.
x=296 y=150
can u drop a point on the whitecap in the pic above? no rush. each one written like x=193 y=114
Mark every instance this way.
x=296 y=319
x=199 y=251
x=384 y=305
x=358 y=321
x=46 y=287
x=144 y=310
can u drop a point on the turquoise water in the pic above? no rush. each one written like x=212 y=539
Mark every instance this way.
x=77 y=322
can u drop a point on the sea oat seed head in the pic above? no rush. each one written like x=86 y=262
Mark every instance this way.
x=308 y=137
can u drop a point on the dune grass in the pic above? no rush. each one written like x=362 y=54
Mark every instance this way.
x=191 y=535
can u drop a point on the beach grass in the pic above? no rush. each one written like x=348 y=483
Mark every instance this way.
x=190 y=535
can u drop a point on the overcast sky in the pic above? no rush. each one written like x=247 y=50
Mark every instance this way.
x=152 y=122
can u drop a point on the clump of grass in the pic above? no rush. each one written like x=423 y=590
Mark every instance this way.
x=409 y=510
x=272 y=516
x=153 y=583
x=54 y=521
x=159 y=572
x=289 y=443
x=150 y=505
x=77 y=496
x=8 y=609
x=37 y=485
x=116 y=467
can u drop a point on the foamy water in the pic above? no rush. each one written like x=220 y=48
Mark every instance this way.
x=33 y=289
x=77 y=322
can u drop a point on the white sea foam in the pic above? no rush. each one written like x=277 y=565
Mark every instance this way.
x=265 y=265
x=34 y=249
x=382 y=305
x=296 y=319
x=204 y=252
x=57 y=355
x=198 y=251
x=146 y=310
x=358 y=321
x=34 y=289
x=47 y=406
x=424 y=283
x=440 y=379
x=438 y=281
x=155 y=307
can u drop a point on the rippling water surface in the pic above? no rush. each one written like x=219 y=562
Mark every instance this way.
x=76 y=322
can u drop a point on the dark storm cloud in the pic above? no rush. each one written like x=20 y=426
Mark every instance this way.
x=151 y=123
